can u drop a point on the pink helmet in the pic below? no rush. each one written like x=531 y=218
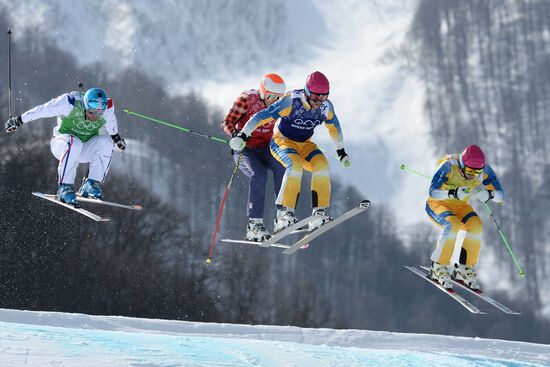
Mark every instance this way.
x=472 y=157
x=317 y=83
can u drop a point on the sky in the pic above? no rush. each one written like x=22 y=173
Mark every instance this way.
x=41 y=339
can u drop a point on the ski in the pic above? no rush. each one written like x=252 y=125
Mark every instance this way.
x=450 y=292
x=285 y=232
x=108 y=203
x=310 y=236
x=279 y=245
x=53 y=198
x=482 y=295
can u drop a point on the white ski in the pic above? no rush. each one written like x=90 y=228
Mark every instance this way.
x=285 y=232
x=108 y=203
x=53 y=198
x=450 y=292
x=279 y=245
x=482 y=295
x=364 y=205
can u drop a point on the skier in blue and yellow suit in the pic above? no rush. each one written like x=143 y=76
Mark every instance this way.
x=458 y=178
x=300 y=112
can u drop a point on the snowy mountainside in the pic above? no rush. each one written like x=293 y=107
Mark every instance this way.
x=218 y=49
x=175 y=41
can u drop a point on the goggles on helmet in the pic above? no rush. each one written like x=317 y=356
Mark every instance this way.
x=95 y=112
x=318 y=97
x=473 y=171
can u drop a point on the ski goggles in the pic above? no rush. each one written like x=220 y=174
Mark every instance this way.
x=95 y=112
x=314 y=97
x=273 y=97
x=473 y=171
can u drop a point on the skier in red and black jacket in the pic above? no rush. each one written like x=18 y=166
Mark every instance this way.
x=257 y=158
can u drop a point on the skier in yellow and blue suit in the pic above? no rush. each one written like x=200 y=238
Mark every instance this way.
x=299 y=113
x=458 y=178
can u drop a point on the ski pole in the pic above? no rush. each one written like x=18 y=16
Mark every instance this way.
x=520 y=270
x=225 y=194
x=403 y=167
x=9 y=72
x=175 y=126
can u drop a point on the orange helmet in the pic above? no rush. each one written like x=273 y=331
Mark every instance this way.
x=272 y=84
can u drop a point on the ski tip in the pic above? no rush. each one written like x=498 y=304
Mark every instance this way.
x=209 y=261
x=364 y=204
x=402 y=166
x=137 y=207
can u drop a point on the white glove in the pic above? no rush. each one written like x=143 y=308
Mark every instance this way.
x=483 y=195
x=344 y=158
x=238 y=142
x=459 y=193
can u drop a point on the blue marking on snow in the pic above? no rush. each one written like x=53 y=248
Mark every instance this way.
x=36 y=345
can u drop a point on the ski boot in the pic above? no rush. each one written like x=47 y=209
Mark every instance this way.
x=440 y=273
x=321 y=217
x=66 y=194
x=255 y=230
x=285 y=218
x=466 y=275
x=90 y=188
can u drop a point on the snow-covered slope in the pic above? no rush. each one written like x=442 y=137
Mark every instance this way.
x=58 y=339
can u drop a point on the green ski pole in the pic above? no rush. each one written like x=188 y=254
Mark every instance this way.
x=181 y=128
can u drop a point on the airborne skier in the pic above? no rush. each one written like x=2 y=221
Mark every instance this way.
x=76 y=139
x=300 y=112
x=458 y=178
x=256 y=157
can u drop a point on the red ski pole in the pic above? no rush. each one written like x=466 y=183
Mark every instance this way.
x=225 y=194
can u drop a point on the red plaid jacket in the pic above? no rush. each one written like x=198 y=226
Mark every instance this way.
x=244 y=107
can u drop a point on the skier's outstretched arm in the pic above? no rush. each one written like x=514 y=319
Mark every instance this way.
x=491 y=189
x=281 y=108
x=60 y=106
x=111 y=125
x=440 y=177
x=335 y=131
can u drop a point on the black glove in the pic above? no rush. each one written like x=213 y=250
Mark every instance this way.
x=120 y=143
x=13 y=123
x=344 y=157
x=459 y=193
x=341 y=153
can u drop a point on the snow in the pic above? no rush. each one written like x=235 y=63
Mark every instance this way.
x=31 y=338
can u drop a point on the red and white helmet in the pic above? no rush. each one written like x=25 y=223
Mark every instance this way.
x=272 y=85
x=472 y=157
x=317 y=83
